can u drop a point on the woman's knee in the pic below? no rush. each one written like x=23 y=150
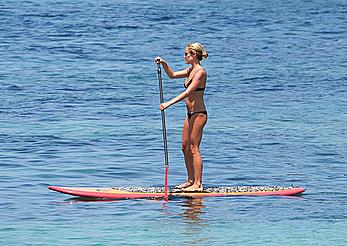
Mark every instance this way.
x=194 y=149
x=185 y=147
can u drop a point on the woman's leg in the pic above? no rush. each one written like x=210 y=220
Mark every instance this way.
x=187 y=155
x=196 y=126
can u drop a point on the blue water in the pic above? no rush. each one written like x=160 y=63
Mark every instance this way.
x=79 y=107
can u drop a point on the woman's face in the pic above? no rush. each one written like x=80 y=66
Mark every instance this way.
x=189 y=56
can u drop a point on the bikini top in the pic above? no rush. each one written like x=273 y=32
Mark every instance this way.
x=190 y=81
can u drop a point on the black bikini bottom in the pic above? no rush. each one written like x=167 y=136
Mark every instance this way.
x=197 y=112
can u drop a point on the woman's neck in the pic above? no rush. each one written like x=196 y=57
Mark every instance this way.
x=196 y=65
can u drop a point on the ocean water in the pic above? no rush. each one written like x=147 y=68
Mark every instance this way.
x=80 y=107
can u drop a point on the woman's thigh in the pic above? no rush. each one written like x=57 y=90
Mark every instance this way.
x=196 y=127
x=185 y=134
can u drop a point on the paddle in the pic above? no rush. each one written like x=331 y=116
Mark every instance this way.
x=164 y=133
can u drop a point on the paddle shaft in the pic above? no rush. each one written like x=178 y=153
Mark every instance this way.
x=164 y=130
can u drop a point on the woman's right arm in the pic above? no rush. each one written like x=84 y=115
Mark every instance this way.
x=172 y=75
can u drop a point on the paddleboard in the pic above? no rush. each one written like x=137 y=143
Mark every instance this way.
x=158 y=192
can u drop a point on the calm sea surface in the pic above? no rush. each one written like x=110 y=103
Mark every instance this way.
x=80 y=107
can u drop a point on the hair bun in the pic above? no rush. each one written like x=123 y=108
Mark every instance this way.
x=205 y=54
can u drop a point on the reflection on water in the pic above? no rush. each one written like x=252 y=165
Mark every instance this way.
x=193 y=215
x=193 y=209
x=74 y=200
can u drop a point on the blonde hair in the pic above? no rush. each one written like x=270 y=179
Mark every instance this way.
x=199 y=49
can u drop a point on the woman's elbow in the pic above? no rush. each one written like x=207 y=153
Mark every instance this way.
x=186 y=93
x=173 y=75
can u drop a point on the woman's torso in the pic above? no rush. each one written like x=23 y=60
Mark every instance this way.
x=195 y=101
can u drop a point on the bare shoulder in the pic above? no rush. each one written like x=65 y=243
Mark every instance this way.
x=201 y=73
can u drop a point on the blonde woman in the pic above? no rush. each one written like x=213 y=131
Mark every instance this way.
x=196 y=118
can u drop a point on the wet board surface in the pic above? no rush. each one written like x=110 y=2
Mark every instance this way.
x=158 y=192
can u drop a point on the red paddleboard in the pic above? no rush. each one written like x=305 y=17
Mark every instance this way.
x=158 y=192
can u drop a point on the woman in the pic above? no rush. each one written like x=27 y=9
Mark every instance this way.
x=196 y=118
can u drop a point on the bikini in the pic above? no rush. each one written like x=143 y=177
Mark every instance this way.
x=190 y=114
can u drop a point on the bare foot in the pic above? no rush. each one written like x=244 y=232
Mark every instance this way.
x=193 y=188
x=184 y=185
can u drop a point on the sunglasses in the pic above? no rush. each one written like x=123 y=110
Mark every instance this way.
x=189 y=53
